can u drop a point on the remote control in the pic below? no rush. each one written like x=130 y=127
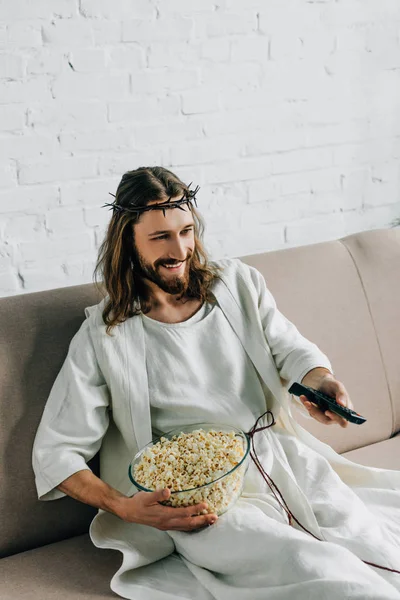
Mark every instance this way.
x=326 y=403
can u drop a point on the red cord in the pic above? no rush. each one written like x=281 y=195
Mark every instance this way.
x=268 y=479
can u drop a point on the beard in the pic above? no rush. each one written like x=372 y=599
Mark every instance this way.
x=174 y=284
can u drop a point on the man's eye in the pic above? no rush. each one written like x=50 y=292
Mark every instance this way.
x=163 y=237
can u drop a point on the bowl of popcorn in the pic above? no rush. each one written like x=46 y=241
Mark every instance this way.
x=198 y=463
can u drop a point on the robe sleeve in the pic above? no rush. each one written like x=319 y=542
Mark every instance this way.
x=294 y=355
x=75 y=418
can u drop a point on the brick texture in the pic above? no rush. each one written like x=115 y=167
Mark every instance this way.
x=285 y=112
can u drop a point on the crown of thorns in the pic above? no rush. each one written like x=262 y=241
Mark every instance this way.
x=188 y=197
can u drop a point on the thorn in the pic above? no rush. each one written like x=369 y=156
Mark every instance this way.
x=22 y=280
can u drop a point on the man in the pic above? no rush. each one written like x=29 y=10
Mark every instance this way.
x=180 y=340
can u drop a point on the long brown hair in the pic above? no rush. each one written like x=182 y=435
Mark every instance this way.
x=127 y=293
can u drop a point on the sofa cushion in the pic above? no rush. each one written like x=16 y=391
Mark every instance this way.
x=384 y=455
x=73 y=569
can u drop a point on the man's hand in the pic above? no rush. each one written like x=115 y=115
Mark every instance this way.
x=145 y=508
x=323 y=380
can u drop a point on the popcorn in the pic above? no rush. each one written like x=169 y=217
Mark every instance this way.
x=188 y=461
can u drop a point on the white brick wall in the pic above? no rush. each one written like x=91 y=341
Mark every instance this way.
x=285 y=112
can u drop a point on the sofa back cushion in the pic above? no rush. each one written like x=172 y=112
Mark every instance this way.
x=35 y=331
x=377 y=256
x=320 y=289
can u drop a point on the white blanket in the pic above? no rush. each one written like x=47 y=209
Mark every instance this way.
x=252 y=553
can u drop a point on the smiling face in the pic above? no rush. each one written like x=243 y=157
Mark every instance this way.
x=164 y=246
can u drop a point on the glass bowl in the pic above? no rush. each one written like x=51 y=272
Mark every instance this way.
x=220 y=493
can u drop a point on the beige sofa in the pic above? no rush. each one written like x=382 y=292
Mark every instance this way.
x=344 y=295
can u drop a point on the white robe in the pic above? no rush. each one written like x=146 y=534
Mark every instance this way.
x=103 y=376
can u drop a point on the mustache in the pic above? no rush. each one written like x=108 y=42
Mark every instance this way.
x=171 y=261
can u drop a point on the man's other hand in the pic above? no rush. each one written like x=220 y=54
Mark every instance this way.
x=330 y=386
x=146 y=508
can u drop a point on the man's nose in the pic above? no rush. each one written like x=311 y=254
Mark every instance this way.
x=178 y=249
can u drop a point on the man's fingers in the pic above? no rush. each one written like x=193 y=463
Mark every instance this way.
x=327 y=417
x=337 y=419
x=345 y=401
x=197 y=509
x=152 y=498
x=182 y=513
x=317 y=413
x=185 y=512
x=310 y=406
x=188 y=518
x=337 y=390
x=192 y=523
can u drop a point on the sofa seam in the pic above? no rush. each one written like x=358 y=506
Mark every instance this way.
x=341 y=241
